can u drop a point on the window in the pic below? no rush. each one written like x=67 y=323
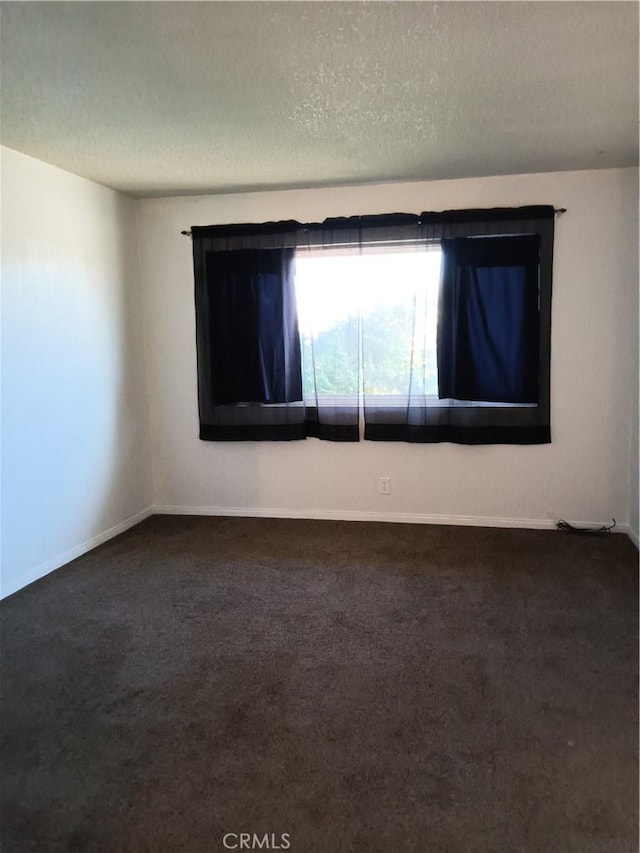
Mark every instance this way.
x=368 y=322
x=427 y=328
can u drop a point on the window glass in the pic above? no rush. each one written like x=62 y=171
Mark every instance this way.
x=368 y=321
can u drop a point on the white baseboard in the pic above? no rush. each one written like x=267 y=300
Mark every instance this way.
x=353 y=515
x=261 y=512
x=391 y=517
x=634 y=537
x=50 y=565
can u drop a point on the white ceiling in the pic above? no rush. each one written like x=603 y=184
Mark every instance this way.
x=165 y=98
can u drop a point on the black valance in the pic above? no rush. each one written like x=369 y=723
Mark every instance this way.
x=428 y=225
x=494 y=214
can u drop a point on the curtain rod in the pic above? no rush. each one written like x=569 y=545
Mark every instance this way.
x=556 y=210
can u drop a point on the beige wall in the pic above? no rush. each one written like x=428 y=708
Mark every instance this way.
x=583 y=476
x=634 y=486
x=75 y=437
x=76 y=449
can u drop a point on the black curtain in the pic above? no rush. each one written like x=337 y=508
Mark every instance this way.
x=488 y=320
x=494 y=333
x=254 y=342
x=245 y=333
x=249 y=370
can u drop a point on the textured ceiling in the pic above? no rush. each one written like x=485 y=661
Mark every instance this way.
x=179 y=98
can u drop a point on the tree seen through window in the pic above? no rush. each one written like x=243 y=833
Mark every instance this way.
x=368 y=322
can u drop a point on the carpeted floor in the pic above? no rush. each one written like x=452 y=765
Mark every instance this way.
x=334 y=686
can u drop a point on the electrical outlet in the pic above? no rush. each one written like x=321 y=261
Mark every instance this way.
x=384 y=485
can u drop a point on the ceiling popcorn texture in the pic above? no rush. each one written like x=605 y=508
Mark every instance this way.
x=209 y=97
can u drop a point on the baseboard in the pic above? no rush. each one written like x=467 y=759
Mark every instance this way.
x=391 y=517
x=275 y=512
x=51 y=565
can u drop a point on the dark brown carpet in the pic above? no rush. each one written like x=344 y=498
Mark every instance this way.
x=360 y=687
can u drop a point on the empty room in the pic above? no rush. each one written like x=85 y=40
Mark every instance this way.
x=319 y=427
